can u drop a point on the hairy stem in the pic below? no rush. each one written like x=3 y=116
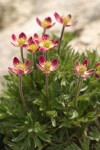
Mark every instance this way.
x=44 y=31
x=46 y=55
x=21 y=94
x=33 y=60
x=59 y=46
x=47 y=85
x=77 y=91
x=22 y=56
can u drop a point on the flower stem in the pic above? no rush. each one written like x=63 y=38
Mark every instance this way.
x=77 y=91
x=33 y=60
x=59 y=46
x=22 y=56
x=21 y=94
x=46 y=55
x=44 y=31
x=47 y=85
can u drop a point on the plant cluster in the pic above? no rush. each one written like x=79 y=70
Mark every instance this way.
x=52 y=97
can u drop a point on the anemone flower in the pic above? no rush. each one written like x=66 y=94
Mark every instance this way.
x=66 y=21
x=33 y=48
x=45 y=24
x=81 y=69
x=20 y=41
x=46 y=43
x=47 y=67
x=21 y=69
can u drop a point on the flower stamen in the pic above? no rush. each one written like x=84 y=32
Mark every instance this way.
x=21 y=41
x=47 y=66
x=45 y=24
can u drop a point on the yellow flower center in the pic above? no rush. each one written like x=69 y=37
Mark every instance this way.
x=33 y=47
x=47 y=43
x=21 y=66
x=47 y=66
x=21 y=41
x=81 y=69
x=66 y=19
x=45 y=24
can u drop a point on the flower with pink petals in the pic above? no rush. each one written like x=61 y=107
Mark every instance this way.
x=97 y=73
x=46 y=23
x=47 y=66
x=20 y=41
x=65 y=19
x=20 y=68
x=46 y=43
x=81 y=69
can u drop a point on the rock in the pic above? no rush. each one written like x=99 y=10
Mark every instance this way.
x=16 y=11
x=21 y=16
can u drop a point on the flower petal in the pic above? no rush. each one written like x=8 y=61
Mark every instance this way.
x=12 y=70
x=14 y=38
x=56 y=42
x=48 y=19
x=39 y=67
x=42 y=60
x=37 y=42
x=38 y=21
x=76 y=64
x=29 y=71
x=85 y=62
x=22 y=35
x=27 y=63
x=35 y=36
x=42 y=49
x=16 y=61
x=91 y=71
x=54 y=64
x=20 y=72
x=45 y=36
x=85 y=76
x=58 y=17
x=30 y=40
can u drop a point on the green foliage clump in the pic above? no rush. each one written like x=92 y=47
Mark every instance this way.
x=53 y=123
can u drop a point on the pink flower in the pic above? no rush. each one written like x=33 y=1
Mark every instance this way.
x=46 y=23
x=32 y=46
x=81 y=69
x=20 y=68
x=20 y=41
x=46 y=43
x=47 y=66
x=97 y=73
x=65 y=19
